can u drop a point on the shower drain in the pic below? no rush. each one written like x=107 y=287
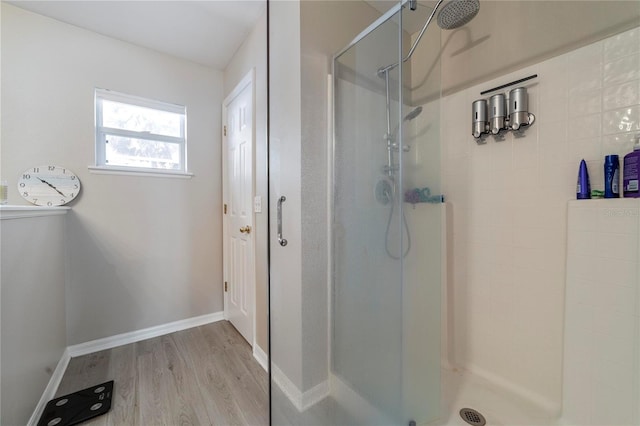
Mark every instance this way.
x=472 y=417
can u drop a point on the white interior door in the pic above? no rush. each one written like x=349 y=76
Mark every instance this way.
x=238 y=175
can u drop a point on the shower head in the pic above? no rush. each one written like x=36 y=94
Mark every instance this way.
x=456 y=13
x=413 y=114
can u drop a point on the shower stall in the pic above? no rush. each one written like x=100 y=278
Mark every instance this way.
x=385 y=240
x=390 y=306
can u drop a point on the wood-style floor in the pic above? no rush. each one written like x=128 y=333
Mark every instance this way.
x=202 y=376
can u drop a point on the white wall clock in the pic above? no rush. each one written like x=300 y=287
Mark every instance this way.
x=48 y=185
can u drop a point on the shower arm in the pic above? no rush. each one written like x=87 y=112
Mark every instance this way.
x=415 y=43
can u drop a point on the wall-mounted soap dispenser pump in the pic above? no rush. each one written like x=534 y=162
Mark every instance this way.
x=500 y=113
x=519 y=108
x=479 y=118
x=497 y=114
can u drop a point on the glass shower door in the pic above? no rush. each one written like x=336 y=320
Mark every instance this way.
x=386 y=224
x=368 y=238
x=384 y=281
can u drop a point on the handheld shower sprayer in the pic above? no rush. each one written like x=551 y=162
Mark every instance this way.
x=454 y=14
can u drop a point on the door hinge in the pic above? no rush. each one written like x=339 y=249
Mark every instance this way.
x=225 y=286
x=225 y=209
x=225 y=130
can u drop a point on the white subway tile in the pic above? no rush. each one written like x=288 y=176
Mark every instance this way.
x=553 y=214
x=583 y=243
x=588 y=126
x=585 y=69
x=528 y=238
x=622 y=70
x=615 y=324
x=581 y=293
x=623 y=44
x=578 y=335
x=620 y=143
x=582 y=267
x=615 y=271
x=614 y=376
x=615 y=97
x=503 y=255
x=621 y=120
x=588 y=149
x=621 y=217
x=555 y=155
x=619 y=246
x=552 y=110
x=502 y=155
x=554 y=174
x=552 y=133
x=578 y=394
x=585 y=102
x=596 y=173
x=591 y=53
x=553 y=82
x=582 y=218
x=619 y=298
x=615 y=349
x=554 y=258
x=614 y=407
x=525 y=153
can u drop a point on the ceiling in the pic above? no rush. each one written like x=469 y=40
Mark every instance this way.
x=205 y=32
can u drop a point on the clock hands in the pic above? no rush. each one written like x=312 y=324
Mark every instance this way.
x=57 y=190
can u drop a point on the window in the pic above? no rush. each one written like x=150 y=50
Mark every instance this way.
x=136 y=134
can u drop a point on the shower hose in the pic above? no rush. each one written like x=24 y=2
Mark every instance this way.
x=403 y=251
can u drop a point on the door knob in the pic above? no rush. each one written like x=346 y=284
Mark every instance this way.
x=245 y=229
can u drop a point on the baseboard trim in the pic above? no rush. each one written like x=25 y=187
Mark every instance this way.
x=301 y=400
x=286 y=386
x=138 y=335
x=315 y=395
x=261 y=357
x=51 y=388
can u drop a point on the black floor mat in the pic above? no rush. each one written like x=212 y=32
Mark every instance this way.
x=78 y=407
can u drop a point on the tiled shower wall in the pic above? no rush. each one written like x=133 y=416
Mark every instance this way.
x=602 y=320
x=508 y=203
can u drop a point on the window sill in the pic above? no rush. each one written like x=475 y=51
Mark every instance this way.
x=21 y=212
x=131 y=171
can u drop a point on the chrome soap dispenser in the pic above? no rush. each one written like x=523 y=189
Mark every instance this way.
x=519 y=108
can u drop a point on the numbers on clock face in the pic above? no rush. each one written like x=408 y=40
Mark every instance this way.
x=48 y=185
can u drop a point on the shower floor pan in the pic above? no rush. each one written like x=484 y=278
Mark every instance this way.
x=462 y=389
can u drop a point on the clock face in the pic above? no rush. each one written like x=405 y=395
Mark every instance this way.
x=48 y=185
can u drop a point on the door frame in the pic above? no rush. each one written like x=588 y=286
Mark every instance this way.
x=248 y=79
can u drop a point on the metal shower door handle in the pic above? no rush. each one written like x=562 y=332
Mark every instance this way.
x=282 y=241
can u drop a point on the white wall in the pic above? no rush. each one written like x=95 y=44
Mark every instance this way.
x=509 y=204
x=142 y=251
x=284 y=179
x=253 y=55
x=301 y=52
x=33 y=310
